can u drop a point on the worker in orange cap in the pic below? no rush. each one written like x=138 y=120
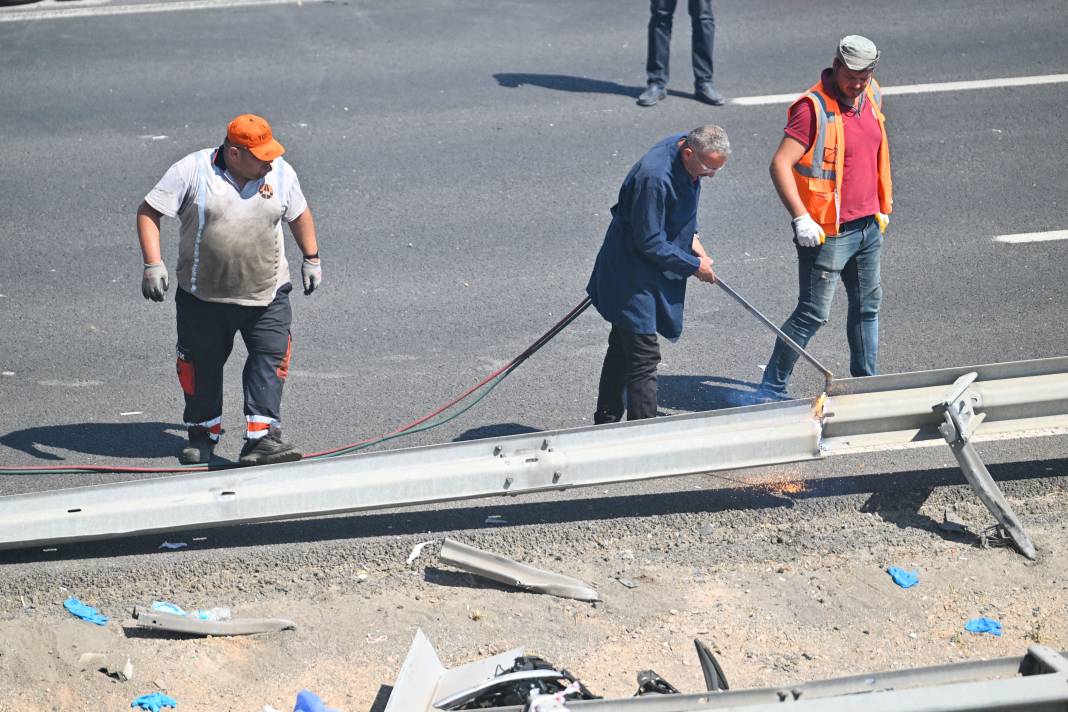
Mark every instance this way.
x=232 y=277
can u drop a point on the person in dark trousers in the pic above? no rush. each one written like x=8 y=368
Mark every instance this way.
x=661 y=14
x=232 y=277
x=650 y=249
x=832 y=173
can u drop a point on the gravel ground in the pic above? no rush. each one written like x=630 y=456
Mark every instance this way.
x=785 y=577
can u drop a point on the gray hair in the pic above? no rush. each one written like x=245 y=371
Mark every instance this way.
x=709 y=139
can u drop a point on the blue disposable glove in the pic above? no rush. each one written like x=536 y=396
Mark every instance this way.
x=154 y=702
x=983 y=625
x=309 y=702
x=904 y=579
x=86 y=613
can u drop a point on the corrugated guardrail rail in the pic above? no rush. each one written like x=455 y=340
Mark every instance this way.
x=950 y=406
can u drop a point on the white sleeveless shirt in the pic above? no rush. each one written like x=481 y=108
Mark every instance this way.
x=230 y=247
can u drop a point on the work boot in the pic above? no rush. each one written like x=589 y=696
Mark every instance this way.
x=652 y=94
x=704 y=91
x=199 y=450
x=268 y=450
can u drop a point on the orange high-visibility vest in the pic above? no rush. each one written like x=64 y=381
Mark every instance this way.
x=818 y=174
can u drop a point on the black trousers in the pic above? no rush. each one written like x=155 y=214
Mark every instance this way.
x=629 y=367
x=703 y=23
x=206 y=333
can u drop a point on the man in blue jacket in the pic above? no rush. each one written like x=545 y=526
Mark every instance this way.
x=650 y=249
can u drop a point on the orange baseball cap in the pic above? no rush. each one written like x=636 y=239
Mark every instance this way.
x=254 y=133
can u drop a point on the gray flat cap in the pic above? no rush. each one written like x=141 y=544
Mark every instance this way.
x=858 y=53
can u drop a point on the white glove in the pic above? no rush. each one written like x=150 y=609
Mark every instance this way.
x=884 y=220
x=808 y=232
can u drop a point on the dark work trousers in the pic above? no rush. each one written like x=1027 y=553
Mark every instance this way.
x=205 y=339
x=703 y=23
x=629 y=366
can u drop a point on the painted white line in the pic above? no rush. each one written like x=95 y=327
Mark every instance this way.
x=1033 y=236
x=921 y=88
x=16 y=15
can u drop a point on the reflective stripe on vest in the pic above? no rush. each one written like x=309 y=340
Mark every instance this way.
x=824 y=117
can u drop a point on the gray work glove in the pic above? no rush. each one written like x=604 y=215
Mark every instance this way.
x=154 y=282
x=311 y=274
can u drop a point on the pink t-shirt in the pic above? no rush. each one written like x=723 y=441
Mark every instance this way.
x=860 y=179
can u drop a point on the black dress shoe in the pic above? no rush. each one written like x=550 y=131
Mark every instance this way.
x=652 y=94
x=707 y=93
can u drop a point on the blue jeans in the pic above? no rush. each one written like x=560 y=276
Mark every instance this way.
x=852 y=255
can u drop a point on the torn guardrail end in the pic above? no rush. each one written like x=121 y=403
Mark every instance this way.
x=156 y=620
x=504 y=570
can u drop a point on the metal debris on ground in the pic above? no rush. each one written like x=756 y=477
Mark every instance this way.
x=650 y=683
x=628 y=583
x=417 y=550
x=423 y=679
x=994 y=537
x=715 y=680
x=504 y=570
x=527 y=676
x=115 y=665
x=157 y=620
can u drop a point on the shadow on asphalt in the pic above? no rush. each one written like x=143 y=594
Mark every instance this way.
x=580 y=85
x=700 y=393
x=895 y=497
x=130 y=439
x=495 y=431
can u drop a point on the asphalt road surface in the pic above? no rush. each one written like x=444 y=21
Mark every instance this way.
x=461 y=157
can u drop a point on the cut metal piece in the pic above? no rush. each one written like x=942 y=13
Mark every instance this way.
x=505 y=570
x=796 y=347
x=961 y=421
x=157 y=620
x=423 y=678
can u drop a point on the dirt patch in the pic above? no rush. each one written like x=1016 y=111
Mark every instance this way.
x=784 y=593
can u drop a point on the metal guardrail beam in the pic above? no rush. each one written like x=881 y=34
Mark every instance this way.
x=1020 y=399
x=1035 y=682
x=595 y=455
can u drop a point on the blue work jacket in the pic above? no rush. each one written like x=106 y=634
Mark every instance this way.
x=639 y=277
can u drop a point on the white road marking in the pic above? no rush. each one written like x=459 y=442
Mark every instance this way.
x=921 y=88
x=1033 y=236
x=16 y=15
